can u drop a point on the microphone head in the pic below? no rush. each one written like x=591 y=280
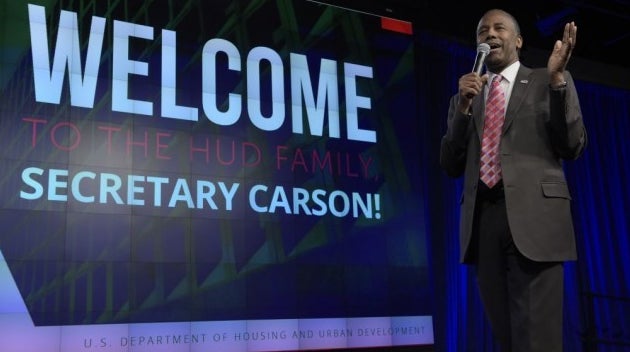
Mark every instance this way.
x=483 y=48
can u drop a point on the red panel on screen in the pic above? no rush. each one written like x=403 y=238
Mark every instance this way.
x=396 y=25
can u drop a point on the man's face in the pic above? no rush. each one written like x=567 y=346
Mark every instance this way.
x=498 y=30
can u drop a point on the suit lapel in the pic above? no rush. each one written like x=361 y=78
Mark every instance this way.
x=478 y=110
x=519 y=90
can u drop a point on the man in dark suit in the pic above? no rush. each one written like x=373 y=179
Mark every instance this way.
x=516 y=227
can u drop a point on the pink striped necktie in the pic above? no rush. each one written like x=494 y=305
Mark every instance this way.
x=490 y=169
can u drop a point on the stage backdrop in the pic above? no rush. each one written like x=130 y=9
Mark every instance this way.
x=209 y=176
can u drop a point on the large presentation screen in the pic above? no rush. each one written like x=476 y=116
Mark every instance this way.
x=216 y=175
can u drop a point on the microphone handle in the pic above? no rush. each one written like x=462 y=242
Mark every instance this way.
x=479 y=60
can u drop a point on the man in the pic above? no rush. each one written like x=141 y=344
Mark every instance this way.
x=515 y=226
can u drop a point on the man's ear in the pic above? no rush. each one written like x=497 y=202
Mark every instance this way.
x=519 y=42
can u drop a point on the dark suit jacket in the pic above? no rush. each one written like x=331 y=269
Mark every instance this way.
x=542 y=127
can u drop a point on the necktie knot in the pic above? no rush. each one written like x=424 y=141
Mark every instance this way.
x=495 y=84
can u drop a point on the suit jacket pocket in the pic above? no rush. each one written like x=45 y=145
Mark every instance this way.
x=555 y=190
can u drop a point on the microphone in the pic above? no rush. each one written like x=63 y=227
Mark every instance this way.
x=482 y=51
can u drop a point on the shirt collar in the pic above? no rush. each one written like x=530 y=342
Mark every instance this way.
x=509 y=73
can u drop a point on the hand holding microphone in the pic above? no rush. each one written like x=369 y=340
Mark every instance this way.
x=471 y=84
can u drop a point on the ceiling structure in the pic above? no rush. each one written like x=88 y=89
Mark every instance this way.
x=603 y=25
